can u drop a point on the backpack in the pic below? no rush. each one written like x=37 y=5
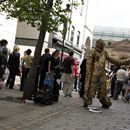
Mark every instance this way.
x=3 y=55
x=44 y=97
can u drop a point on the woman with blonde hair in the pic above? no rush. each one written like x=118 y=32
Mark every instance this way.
x=13 y=66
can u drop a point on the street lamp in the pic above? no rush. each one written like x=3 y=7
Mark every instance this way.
x=64 y=32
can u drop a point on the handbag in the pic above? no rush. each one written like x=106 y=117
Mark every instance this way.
x=18 y=72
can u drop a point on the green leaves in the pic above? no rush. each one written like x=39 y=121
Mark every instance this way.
x=34 y=12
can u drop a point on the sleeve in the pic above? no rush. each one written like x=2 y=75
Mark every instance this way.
x=117 y=61
x=89 y=64
x=9 y=60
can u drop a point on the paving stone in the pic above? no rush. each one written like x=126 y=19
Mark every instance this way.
x=67 y=114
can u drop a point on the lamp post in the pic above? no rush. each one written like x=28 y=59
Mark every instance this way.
x=64 y=32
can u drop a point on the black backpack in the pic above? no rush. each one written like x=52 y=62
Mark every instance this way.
x=44 y=97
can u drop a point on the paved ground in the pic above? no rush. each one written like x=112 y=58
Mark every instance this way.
x=67 y=114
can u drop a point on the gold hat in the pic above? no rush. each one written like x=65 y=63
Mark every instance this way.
x=99 y=45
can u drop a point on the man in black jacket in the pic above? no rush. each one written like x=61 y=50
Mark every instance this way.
x=44 y=60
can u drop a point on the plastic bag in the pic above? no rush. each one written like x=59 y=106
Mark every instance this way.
x=48 y=82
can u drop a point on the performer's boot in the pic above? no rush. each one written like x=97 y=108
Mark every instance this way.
x=106 y=102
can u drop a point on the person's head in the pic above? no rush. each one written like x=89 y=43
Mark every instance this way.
x=16 y=48
x=99 y=45
x=3 y=42
x=28 y=51
x=123 y=67
x=47 y=51
x=56 y=53
x=71 y=53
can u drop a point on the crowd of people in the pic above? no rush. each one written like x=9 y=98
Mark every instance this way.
x=48 y=63
x=120 y=82
x=92 y=76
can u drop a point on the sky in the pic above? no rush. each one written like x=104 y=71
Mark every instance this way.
x=113 y=13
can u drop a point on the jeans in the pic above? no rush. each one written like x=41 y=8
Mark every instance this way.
x=118 y=89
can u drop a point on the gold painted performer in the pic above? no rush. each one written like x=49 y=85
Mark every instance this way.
x=95 y=80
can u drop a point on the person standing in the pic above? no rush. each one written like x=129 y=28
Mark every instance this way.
x=82 y=78
x=13 y=66
x=95 y=79
x=126 y=86
x=27 y=63
x=68 y=77
x=76 y=75
x=53 y=65
x=3 y=60
x=44 y=61
x=22 y=72
x=121 y=75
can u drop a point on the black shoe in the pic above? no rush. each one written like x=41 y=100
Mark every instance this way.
x=6 y=85
x=70 y=95
x=104 y=106
x=10 y=87
x=85 y=105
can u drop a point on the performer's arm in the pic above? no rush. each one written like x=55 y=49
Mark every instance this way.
x=117 y=61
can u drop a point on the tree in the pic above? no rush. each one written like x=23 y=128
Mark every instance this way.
x=45 y=15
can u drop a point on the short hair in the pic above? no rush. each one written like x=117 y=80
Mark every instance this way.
x=29 y=51
x=47 y=50
x=3 y=42
x=71 y=53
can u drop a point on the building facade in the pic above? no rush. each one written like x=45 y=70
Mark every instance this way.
x=8 y=30
x=79 y=34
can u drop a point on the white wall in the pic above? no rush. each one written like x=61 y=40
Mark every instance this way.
x=8 y=30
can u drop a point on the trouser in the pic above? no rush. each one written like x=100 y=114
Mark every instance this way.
x=81 y=92
x=56 y=88
x=25 y=73
x=2 y=71
x=11 y=77
x=97 y=83
x=118 y=89
x=22 y=80
x=68 y=87
x=75 y=83
x=112 y=88
x=42 y=78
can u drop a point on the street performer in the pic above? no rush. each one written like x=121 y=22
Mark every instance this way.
x=95 y=80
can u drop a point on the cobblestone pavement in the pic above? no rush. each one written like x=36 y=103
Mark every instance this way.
x=67 y=114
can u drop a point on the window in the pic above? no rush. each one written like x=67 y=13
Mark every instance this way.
x=78 y=38
x=72 y=34
x=81 y=9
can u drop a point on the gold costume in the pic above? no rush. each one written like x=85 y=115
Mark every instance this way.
x=95 y=80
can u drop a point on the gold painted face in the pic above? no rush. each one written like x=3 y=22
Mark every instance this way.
x=99 y=45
